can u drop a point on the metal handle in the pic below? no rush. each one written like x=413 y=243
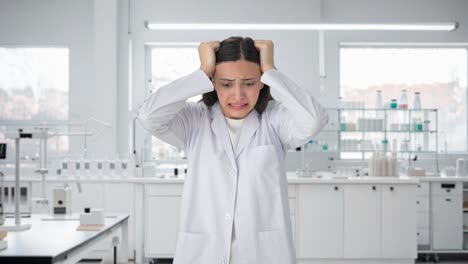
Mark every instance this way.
x=448 y=200
x=391 y=188
x=373 y=188
x=336 y=188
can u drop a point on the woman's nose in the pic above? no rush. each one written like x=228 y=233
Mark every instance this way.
x=238 y=91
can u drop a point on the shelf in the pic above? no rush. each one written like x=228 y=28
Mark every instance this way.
x=379 y=131
x=383 y=109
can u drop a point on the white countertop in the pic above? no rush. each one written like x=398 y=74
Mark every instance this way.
x=320 y=178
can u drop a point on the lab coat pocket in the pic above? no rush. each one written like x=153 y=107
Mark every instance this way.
x=265 y=165
x=192 y=248
x=271 y=247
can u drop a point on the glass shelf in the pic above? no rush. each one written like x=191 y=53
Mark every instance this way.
x=384 y=109
x=377 y=131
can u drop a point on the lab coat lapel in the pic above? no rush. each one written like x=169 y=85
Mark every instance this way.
x=219 y=127
x=249 y=128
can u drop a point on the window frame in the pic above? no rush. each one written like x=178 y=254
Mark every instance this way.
x=148 y=152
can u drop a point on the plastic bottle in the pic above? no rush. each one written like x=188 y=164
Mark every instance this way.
x=371 y=165
x=393 y=165
x=417 y=101
x=383 y=164
x=378 y=100
x=403 y=100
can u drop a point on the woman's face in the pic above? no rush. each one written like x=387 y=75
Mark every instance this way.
x=237 y=84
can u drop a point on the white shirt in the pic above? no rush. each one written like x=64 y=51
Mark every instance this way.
x=234 y=128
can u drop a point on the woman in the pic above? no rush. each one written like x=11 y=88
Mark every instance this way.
x=235 y=202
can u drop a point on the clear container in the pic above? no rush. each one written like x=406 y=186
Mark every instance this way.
x=393 y=104
x=403 y=100
x=378 y=100
x=417 y=101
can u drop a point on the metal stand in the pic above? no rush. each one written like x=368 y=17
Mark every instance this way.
x=18 y=226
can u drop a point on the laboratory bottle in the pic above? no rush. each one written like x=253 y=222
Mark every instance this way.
x=417 y=101
x=404 y=100
x=378 y=100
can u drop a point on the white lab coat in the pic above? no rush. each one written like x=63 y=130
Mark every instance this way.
x=245 y=187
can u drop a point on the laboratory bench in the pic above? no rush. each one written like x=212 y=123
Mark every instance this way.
x=365 y=219
x=55 y=239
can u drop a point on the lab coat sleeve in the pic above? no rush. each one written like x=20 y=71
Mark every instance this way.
x=296 y=115
x=167 y=115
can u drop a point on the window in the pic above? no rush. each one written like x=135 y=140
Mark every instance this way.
x=438 y=73
x=169 y=63
x=34 y=87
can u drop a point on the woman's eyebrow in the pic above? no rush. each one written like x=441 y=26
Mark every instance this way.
x=242 y=79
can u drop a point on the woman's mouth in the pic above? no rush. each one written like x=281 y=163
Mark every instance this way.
x=238 y=106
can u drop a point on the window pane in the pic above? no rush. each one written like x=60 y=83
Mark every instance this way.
x=34 y=86
x=439 y=74
x=34 y=83
x=167 y=65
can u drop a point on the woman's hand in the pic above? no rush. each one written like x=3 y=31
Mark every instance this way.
x=265 y=47
x=207 y=51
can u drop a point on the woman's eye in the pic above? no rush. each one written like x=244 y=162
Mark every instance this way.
x=226 y=85
x=250 y=84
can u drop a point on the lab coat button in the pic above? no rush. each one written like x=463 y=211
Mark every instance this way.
x=227 y=217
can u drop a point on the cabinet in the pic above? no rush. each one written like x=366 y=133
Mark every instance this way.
x=162 y=213
x=356 y=221
x=362 y=221
x=423 y=215
x=398 y=207
x=447 y=216
x=320 y=212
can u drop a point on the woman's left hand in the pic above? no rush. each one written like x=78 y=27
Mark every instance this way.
x=265 y=47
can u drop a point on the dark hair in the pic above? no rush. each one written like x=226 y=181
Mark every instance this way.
x=234 y=49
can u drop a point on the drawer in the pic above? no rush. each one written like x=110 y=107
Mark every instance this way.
x=423 y=236
x=423 y=219
x=423 y=188
x=164 y=189
x=447 y=188
x=292 y=206
x=292 y=190
x=422 y=203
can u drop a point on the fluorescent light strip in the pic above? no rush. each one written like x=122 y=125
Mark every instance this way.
x=411 y=27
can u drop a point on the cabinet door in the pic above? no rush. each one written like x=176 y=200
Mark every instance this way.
x=399 y=232
x=119 y=198
x=362 y=221
x=320 y=221
x=447 y=222
x=161 y=225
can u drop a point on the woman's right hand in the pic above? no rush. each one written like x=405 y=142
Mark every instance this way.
x=207 y=51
